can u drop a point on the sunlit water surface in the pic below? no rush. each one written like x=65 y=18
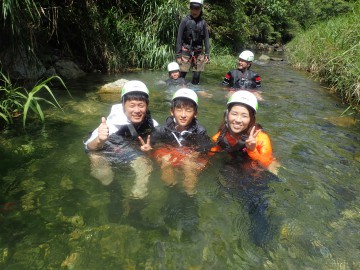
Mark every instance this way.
x=54 y=214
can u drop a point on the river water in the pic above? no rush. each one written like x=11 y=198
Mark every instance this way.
x=54 y=214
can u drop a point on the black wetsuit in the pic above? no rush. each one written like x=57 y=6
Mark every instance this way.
x=123 y=145
x=180 y=81
x=192 y=34
x=194 y=136
x=242 y=80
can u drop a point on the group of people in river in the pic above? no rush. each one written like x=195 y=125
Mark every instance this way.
x=129 y=131
x=129 y=134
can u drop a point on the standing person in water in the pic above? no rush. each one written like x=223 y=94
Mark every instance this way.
x=184 y=141
x=116 y=138
x=242 y=77
x=192 y=37
x=174 y=75
x=240 y=135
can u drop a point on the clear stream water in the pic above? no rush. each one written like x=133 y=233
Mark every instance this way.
x=55 y=215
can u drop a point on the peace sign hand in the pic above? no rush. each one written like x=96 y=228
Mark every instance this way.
x=145 y=146
x=251 y=141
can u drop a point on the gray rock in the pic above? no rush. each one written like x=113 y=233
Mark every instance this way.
x=67 y=69
x=22 y=65
x=264 y=57
x=111 y=91
x=276 y=59
x=50 y=72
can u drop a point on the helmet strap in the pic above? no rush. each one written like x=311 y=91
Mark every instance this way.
x=225 y=118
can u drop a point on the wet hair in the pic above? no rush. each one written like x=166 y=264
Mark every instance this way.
x=183 y=102
x=139 y=96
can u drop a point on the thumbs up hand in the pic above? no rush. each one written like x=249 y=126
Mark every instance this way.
x=103 y=130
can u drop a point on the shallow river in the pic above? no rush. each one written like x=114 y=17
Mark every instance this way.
x=54 y=214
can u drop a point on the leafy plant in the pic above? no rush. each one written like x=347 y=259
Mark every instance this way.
x=10 y=97
x=331 y=52
x=16 y=101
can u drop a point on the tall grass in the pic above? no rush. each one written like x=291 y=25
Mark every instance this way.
x=223 y=56
x=331 y=52
x=18 y=101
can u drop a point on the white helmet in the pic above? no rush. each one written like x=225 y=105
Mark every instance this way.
x=247 y=56
x=244 y=97
x=134 y=86
x=173 y=66
x=186 y=93
x=198 y=3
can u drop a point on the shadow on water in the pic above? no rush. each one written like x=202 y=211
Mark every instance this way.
x=55 y=214
x=250 y=184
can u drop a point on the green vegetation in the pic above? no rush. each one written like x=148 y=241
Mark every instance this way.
x=331 y=52
x=113 y=35
x=16 y=101
x=116 y=35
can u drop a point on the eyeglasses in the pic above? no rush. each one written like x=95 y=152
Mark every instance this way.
x=195 y=7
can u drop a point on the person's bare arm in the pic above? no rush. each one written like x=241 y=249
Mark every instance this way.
x=103 y=135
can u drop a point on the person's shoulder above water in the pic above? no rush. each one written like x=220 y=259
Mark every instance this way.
x=197 y=128
x=179 y=81
x=117 y=115
x=242 y=77
x=134 y=96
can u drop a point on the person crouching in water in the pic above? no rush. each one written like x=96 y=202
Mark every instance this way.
x=116 y=138
x=242 y=77
x=252 y=168
x=185 y=142
x=174 y=75
x=241 y=136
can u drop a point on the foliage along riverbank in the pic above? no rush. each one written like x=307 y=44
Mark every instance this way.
x=331 y=52
x=137 y=34
x=113 y=35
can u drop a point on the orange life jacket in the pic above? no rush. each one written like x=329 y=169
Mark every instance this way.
x=262 y=152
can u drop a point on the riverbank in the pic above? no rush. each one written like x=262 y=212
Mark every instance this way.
x=330 y=51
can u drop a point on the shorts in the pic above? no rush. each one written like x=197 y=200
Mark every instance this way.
x=196 y=63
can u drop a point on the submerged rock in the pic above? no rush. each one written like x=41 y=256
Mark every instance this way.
x=357 y=157
x=342 y=121
x=70 y=260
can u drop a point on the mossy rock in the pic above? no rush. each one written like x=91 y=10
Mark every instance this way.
x=111 y=91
